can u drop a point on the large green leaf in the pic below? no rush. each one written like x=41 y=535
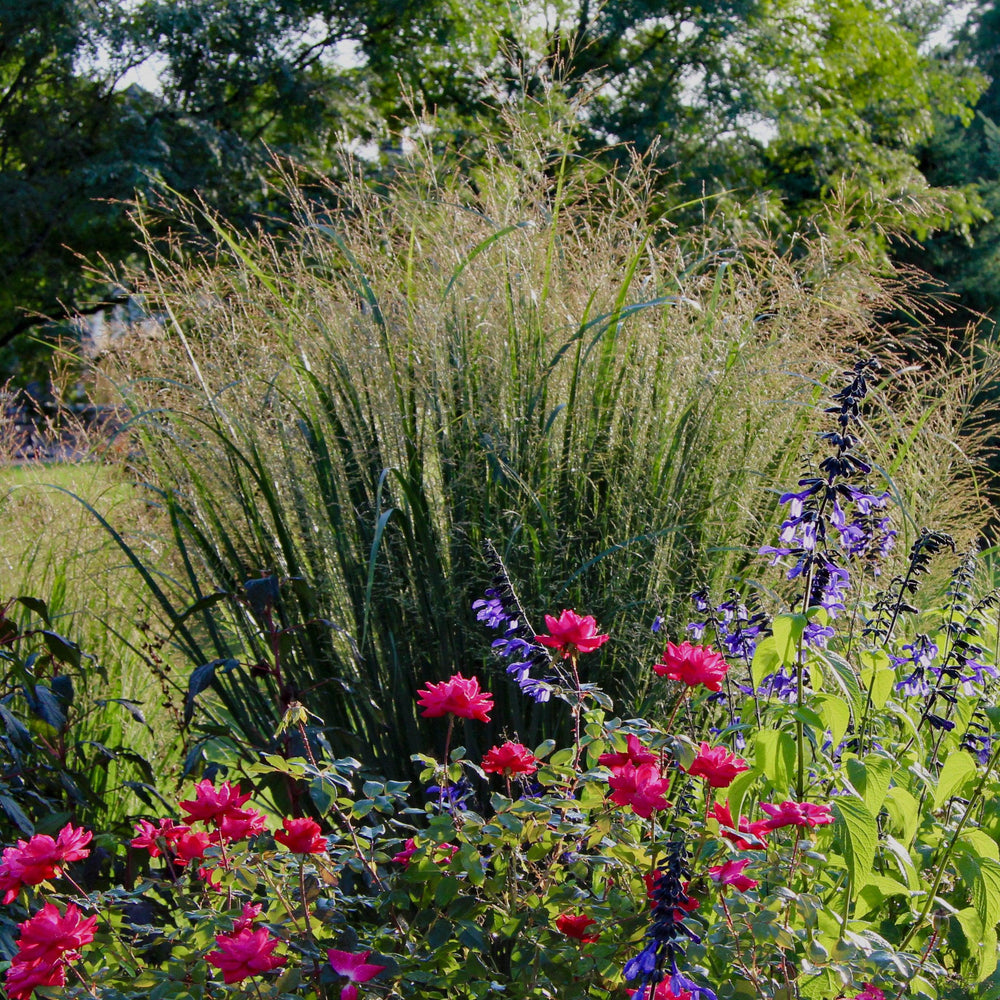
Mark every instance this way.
x=836 y=715
x=738 y=789
x=959 y=769
x=877 y=682
x=860 y=832
x=986 y=892
x=871 y=778
x=846 y=678
x=878 y=889
x=820 y=987
x=787 y=631
x=979 y=844
x=775 y=757
x=765 y=660
x=982 y=944
x=904 y=810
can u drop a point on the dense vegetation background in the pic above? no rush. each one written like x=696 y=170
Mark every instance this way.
x=579 y=302
x=758 y=111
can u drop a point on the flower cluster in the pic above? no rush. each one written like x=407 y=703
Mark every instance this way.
x=667 y=934
x=832 y=521
x=218 y=808
x=736 y=629
x=48 y=941
x=41 y=858
x=636 y=779
x=499 y=608
x=733 y=879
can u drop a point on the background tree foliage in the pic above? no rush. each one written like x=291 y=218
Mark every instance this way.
x=769 y=107
x=240 y=81
x=966 y=260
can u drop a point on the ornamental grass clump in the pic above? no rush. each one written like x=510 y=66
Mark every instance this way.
x=527 y=351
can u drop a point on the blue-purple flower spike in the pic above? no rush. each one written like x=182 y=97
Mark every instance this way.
x=831 y=521
x=667 y=935
x=500 y=609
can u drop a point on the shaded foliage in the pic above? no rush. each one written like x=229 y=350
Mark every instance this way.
x=766 y=107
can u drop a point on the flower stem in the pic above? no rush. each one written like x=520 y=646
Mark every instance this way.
x=677 y=705
x=577 y=710
x=107 y=919
x=943 y=864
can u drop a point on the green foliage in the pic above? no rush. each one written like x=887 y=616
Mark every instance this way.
x=853 y=848
x=966 y=257
x=854 y=96
x=240 y=81
x=788 y=105
x=463 y=361
x=64 y=747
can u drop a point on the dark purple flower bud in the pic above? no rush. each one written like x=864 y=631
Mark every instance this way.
x=938 y=723
x=644 y=964
x=490 y=610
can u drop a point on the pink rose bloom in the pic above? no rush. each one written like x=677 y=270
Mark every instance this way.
x=570 y=634
x=717 y=766
x=790 y=813
x=48 y=936
x=458 y=696
x=692 y=665
x=440 y=853
x=191 y=846
x=22 y=977
x=239 y=824
x=643 y=788
x=574 y=925
x=301 y=836
x=757 y=830
x=870 y=993
x=510 y=759
x=662 y=992
x=635 y=753
x=409 y=849
x=210 y=804
x=244 y=953
x=10 y=886
x=34 y=861
x=251 y=911
x=731 y=873
x=212 y=877
x=155 y=838
x=356 y=968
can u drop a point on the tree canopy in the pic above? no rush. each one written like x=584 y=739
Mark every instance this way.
x=772 y=104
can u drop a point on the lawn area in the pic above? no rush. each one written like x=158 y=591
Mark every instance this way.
x=53 y=547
